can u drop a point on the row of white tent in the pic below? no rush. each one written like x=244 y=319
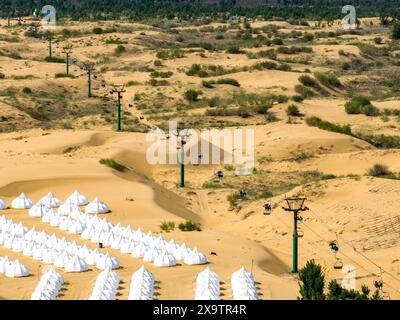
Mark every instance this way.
x=242 y=282
x=142 y=285
x=49 y=286
x=13 y=269
x=207 y=285
x=135 y=242
x=106 y=286
x=51 y=249
x=50 y=201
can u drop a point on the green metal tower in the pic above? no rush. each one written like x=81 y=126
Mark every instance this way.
x=119 y=90
x=67 y=50
x=295 y=205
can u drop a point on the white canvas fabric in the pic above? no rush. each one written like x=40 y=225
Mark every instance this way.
x=49 y=286
x=68 y=208
x=207 y=285
x=75 y=264
x=3 y=204
x=107 y=261
x=38 y=210
x=195 y=257
x=243 y=285
x=165 y=260
x=51 y=201
x=106 y=286
x=78 y=199
x=142 y=285
x=16 y=269
x=97 y=207
x=22 y=202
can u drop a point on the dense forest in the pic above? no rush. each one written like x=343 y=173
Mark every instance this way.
x=193 y=9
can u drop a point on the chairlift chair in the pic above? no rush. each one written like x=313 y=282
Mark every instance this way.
x=300 y=232
x=338 y=264
x=267 y=209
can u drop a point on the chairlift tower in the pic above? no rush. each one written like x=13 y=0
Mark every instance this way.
x=67 y=50
x=119 y=90
x=49 y=37
x=182 y=136
x=89 y=67
x=295 y=205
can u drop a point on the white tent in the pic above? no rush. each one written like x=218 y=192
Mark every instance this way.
x=16 y=269
x=51 y=201
x=75 y=264
x=68 y=208
x=195 y=257
x=107 y=261
x=165 y=260
x=4 y=264
x=3 y=204
x=22 y=202
x=78 y=199
x=38 y=210
x=97 y=206
x=142 y=285
x=243 y=285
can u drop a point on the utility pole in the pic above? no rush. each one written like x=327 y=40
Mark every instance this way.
x=182 y=135
x=67 y=50
x=295 y=205
x=89 y=67
x=118 y=90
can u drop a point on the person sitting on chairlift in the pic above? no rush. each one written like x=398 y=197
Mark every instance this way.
x=242 y=193
x=267 y=208
x=378 y=284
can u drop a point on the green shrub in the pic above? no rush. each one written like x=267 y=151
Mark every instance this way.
x=113 y=164
x=277 y=41
x=326 y=125
x=167 y=226
x=361 y=105
x=293 y=110
x=233 y=49
x=63 y=75
x=232 y=82
x=297 y=98
x=27 y=90
x=307 y=81
x=379 y=170
x=378 y=40
x=304 y=92
x=312 y=282
x=54 y=60
x=189 y=226
x=97 y=30
x=396 y=31
x=243 y=112
x=192 y=95
x=328 y=79
x=120 y=49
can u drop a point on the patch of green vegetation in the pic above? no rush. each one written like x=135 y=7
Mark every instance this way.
x=54 y=60
x=113 y=164
x=361 y=105
x=328 y=79
x=167 y=226
x=189 y=226
x=170 y=54
x=71 y=149
x=293 y=110
x=160 y=74
x=63 y=75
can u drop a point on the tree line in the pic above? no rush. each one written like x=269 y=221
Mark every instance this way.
x=140 y=10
